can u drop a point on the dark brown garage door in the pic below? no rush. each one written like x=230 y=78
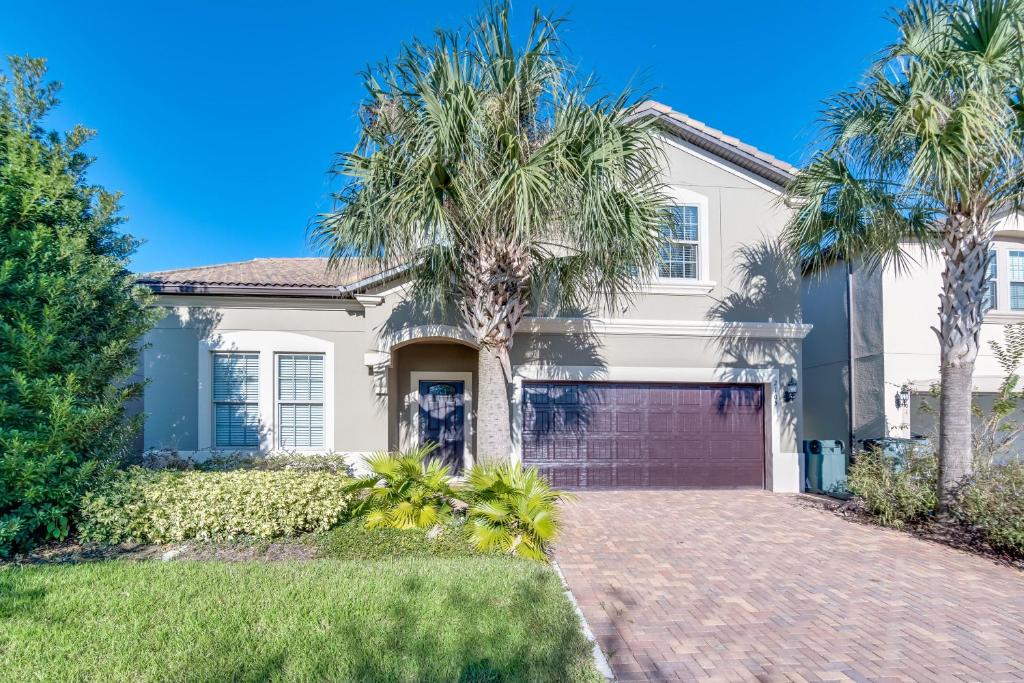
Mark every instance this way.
x=605 y=434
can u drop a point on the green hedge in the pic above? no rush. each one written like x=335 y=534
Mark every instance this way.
x=169 y=506
x=895 y=494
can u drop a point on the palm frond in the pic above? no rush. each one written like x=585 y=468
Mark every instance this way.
x=478 y=154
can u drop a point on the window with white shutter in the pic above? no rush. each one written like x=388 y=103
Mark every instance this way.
x=300 y=400
x=236 y=388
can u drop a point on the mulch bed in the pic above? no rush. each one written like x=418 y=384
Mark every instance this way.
x=950 y=532
x=71 y=552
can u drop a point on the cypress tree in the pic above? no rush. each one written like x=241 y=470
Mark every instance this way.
x=71 y=317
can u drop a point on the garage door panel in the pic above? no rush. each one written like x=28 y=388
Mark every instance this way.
x=628 y=422
x=597 y=423
x=629 y=447
x=660 y=422
x=568 y=477
x=600 y=449
x=663 y=449
x=605 y=434
x=600 y=475
x=688 y=423
x=629 y=475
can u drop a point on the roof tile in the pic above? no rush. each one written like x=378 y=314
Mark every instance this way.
x=268 y=272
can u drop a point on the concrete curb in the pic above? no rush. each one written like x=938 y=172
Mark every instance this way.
x=600 y=661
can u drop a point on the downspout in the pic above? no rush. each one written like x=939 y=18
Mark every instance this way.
x=852 y=355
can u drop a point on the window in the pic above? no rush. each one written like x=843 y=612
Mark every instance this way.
x=300 y=400
x=1016 y=268
x=680 y=254
x=991 y=299
x=236 y=388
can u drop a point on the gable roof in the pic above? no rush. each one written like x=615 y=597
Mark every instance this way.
x=699 y=134
x=311 y=277
x=270 y=276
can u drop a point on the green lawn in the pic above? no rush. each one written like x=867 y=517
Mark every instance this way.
x=461 y=619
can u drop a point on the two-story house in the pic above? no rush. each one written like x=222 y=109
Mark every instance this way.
x=695 y=384
x=872 y=357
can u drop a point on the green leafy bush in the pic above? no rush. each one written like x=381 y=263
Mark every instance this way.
x=512 y=510
x=895 y=494
x=167 y=506
x=354 y=541
x=226 y=461
x=992 y=501
x=70 y=317
x=404 y=491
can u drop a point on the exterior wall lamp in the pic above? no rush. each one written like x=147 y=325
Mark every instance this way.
x=903 y=396
x=789 y=392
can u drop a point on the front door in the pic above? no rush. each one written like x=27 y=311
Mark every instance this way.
x=442 y=418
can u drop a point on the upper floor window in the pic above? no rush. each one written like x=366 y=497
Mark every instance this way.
x=992 y=293
x=680 y=255
x=300 y=400
x=236 y=390
x=1016 y=263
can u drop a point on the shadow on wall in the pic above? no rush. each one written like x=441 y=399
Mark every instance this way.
x=236 y=407
x=549 y=407
x=417 y=311
x=768 y=280
x=768 y=290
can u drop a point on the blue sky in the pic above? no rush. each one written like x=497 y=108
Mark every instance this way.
x=219 y=120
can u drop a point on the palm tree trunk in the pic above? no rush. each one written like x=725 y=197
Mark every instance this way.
x=955 y=428
x=493 y=436
x=965 y=250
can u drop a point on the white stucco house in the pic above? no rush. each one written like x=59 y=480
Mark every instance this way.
x=693 y=385
x=872 y=357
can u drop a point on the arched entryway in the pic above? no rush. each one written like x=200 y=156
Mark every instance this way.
x=432 y=385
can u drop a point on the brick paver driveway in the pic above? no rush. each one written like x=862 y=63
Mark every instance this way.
x=755 y=586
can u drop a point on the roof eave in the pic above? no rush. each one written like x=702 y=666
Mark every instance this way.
x=360 y=286
x=244 y=290
x=709 y=143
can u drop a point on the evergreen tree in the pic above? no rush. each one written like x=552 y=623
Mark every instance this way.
x=70 y=317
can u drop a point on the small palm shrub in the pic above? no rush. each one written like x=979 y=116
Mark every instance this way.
x=992 y=501
x=512 y=510
x=164 y=506
x=895 y=493
x=404 y=490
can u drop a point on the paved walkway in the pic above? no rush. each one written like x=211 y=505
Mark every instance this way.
x=737 y=586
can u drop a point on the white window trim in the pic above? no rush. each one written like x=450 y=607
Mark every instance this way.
x=268 y=345
x=782 y=469
x=702 y=284
x=411 y=433
x=1002 y=314
x=1004 y=278
x=278 y=402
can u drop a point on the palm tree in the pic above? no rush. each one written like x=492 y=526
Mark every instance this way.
x=504 y=181
x=926 y=151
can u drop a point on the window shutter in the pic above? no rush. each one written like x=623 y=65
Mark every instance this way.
x=236 y=400
x=300 y=394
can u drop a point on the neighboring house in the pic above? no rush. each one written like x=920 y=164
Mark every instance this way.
x=686 y=387
x=895 y=352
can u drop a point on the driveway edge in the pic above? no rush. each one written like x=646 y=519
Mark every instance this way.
x=600 y=661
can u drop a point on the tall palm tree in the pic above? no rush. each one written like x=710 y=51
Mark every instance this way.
x=504 y=181
x=927 y=151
